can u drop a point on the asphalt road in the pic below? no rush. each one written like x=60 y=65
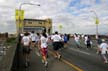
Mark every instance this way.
x=37 y=65
x=73 y=59
x=85 y=59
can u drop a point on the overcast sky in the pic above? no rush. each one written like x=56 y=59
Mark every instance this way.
x=75 y=15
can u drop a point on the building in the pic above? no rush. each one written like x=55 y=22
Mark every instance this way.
x=37 y=25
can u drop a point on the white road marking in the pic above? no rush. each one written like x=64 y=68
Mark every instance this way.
x=38 y=54
x=80 y=51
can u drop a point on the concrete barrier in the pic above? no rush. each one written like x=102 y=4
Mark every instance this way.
x=17 y=60
x=7 y=60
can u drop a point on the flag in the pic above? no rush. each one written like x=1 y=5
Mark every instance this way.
x=16 y=14
x=60 y=26
x=97 y=21
x=19 y=14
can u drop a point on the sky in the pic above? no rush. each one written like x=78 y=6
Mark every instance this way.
x=76 y=16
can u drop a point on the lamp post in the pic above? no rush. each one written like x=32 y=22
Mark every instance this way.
x=60 y=28
x=96 y=22
x=20 y=8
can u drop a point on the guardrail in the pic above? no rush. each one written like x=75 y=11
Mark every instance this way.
x=7 y=60
x=10 y=61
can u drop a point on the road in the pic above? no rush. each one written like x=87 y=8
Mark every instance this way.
x=85 y=59
x=73 y=59
x=36 y=64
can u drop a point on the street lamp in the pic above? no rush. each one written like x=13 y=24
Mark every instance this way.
x=20 y=8
x=96 y=22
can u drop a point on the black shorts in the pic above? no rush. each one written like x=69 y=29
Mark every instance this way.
x=56 y=45
x=61 y=44
x=26 y=49
x=88 y=44
x=33 y=41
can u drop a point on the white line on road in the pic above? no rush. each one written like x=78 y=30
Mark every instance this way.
x=80 y=51
x=38 y=54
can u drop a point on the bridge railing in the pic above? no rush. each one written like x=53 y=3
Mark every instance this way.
x=7 y=59
x=10 y=61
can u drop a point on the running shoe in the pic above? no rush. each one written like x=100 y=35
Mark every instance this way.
x=59 y=57
x=46 y=64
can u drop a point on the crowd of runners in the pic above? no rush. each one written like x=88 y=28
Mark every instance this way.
x=101 y=44
x=31 y=40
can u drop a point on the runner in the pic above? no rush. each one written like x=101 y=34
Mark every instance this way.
x=99 y=41
x=65 y=40
x=82 y=36
x=89 y=42
x=33 y=38
x=26 y=48
x=68 y=37
x=56 y=44
x=37 y=43
x=44 y=48
x=104 y=50
x=61 y=43
x=37 y=39
x=85 y=40
x=76 y=38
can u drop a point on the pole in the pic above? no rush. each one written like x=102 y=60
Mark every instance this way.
x=20 y=8
x=96 y=31
x=96 y=22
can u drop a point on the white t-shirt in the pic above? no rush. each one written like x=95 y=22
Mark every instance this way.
x=44 y=42
x=33 y=37
x=82 y=36
x=37 y=38
x=104 y=47
x=26 y=40
x=86 y=38
x=77 y=39
x=56 y=38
